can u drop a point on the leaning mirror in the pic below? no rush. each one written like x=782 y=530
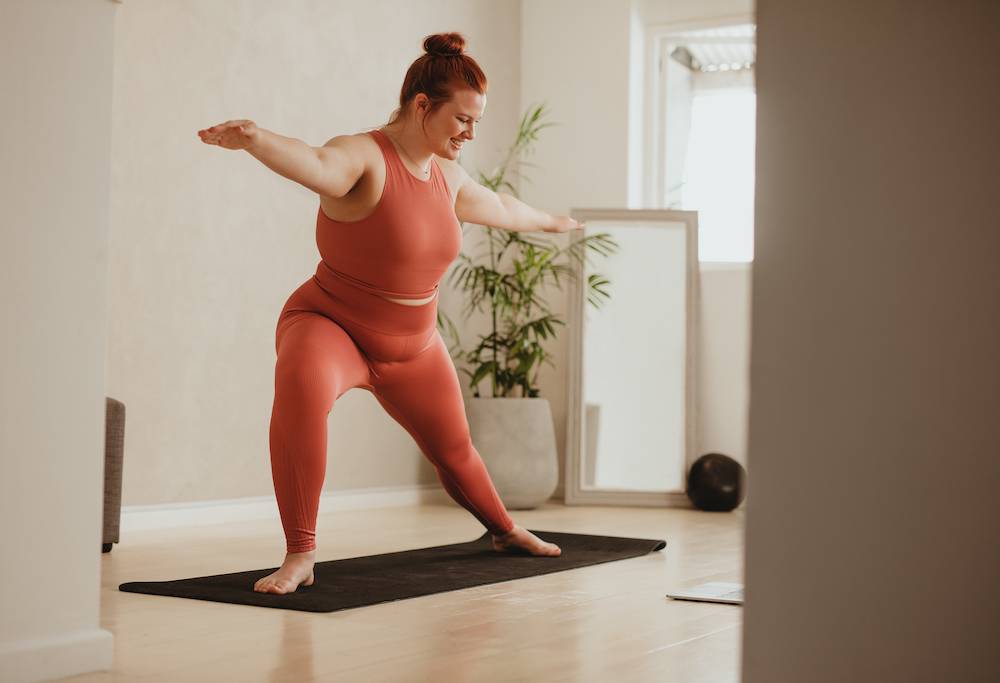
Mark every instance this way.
x=632 y=327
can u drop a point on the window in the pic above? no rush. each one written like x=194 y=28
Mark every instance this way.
x=718 y=176
x=702 y=151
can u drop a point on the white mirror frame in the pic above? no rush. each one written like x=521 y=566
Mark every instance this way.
x=574 y=493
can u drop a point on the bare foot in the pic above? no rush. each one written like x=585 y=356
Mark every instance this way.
x=520 y=540
x=296 y=569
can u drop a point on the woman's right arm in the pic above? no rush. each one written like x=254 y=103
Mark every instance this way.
x=331 y=170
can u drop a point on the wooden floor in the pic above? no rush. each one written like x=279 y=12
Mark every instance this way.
x=608 y=622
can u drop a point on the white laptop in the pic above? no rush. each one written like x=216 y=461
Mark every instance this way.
x=714 y=591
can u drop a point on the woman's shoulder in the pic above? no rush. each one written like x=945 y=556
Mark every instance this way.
x=355 y=144
x=360 y=148
x=347 y=160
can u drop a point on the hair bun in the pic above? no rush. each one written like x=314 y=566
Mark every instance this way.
x=444 y=44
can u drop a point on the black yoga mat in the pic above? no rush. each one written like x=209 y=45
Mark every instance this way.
x=369 y=580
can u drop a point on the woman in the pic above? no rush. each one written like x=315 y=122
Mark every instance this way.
x=388 y=227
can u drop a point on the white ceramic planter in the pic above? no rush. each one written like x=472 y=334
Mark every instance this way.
x=517 y=441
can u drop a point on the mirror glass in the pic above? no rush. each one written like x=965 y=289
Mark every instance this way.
x=633 y=384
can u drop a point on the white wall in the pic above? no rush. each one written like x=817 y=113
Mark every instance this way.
x=871 y=537
x=637 y=103
x=55 y=76
x=724 y=359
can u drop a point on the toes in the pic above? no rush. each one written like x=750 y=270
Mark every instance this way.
x=265 y=585
x=280 y=586
x=284 y=586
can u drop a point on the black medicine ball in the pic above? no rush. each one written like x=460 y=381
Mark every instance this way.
x=716 y=483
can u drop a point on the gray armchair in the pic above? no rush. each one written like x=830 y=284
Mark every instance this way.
x=114 y=452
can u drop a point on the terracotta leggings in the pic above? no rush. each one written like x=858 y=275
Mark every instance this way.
x=332 y=336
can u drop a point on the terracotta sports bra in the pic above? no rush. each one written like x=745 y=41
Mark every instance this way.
x=404 y=247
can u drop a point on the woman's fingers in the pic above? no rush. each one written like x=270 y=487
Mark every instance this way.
x=232 y=134
x=221 y=127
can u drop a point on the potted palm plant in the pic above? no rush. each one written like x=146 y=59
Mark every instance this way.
x=512 y=426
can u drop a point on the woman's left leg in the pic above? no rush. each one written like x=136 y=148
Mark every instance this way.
x=423 y=395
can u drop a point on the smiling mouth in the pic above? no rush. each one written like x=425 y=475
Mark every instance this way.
x=455 y=145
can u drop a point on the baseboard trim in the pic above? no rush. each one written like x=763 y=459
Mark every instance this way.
x=42 y=659
x=199 y=513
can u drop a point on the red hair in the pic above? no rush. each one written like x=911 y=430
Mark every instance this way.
x=439 y=72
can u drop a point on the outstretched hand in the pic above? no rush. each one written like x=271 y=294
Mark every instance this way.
x=564 y=224
x=238 y=134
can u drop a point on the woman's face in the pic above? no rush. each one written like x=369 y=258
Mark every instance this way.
x=454 y=123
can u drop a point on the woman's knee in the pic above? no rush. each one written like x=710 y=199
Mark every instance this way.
x=456 y=453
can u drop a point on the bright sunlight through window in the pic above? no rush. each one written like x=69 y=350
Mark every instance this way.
x=719 y=174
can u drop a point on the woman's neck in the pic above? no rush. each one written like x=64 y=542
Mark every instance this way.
x=412 y=144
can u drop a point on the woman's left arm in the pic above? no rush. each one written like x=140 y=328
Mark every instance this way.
x=481 y=205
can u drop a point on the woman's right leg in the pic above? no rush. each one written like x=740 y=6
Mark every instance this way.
x=317 y=362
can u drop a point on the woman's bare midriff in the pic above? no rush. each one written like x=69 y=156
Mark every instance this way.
x=411 y=302
x=360 y=201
